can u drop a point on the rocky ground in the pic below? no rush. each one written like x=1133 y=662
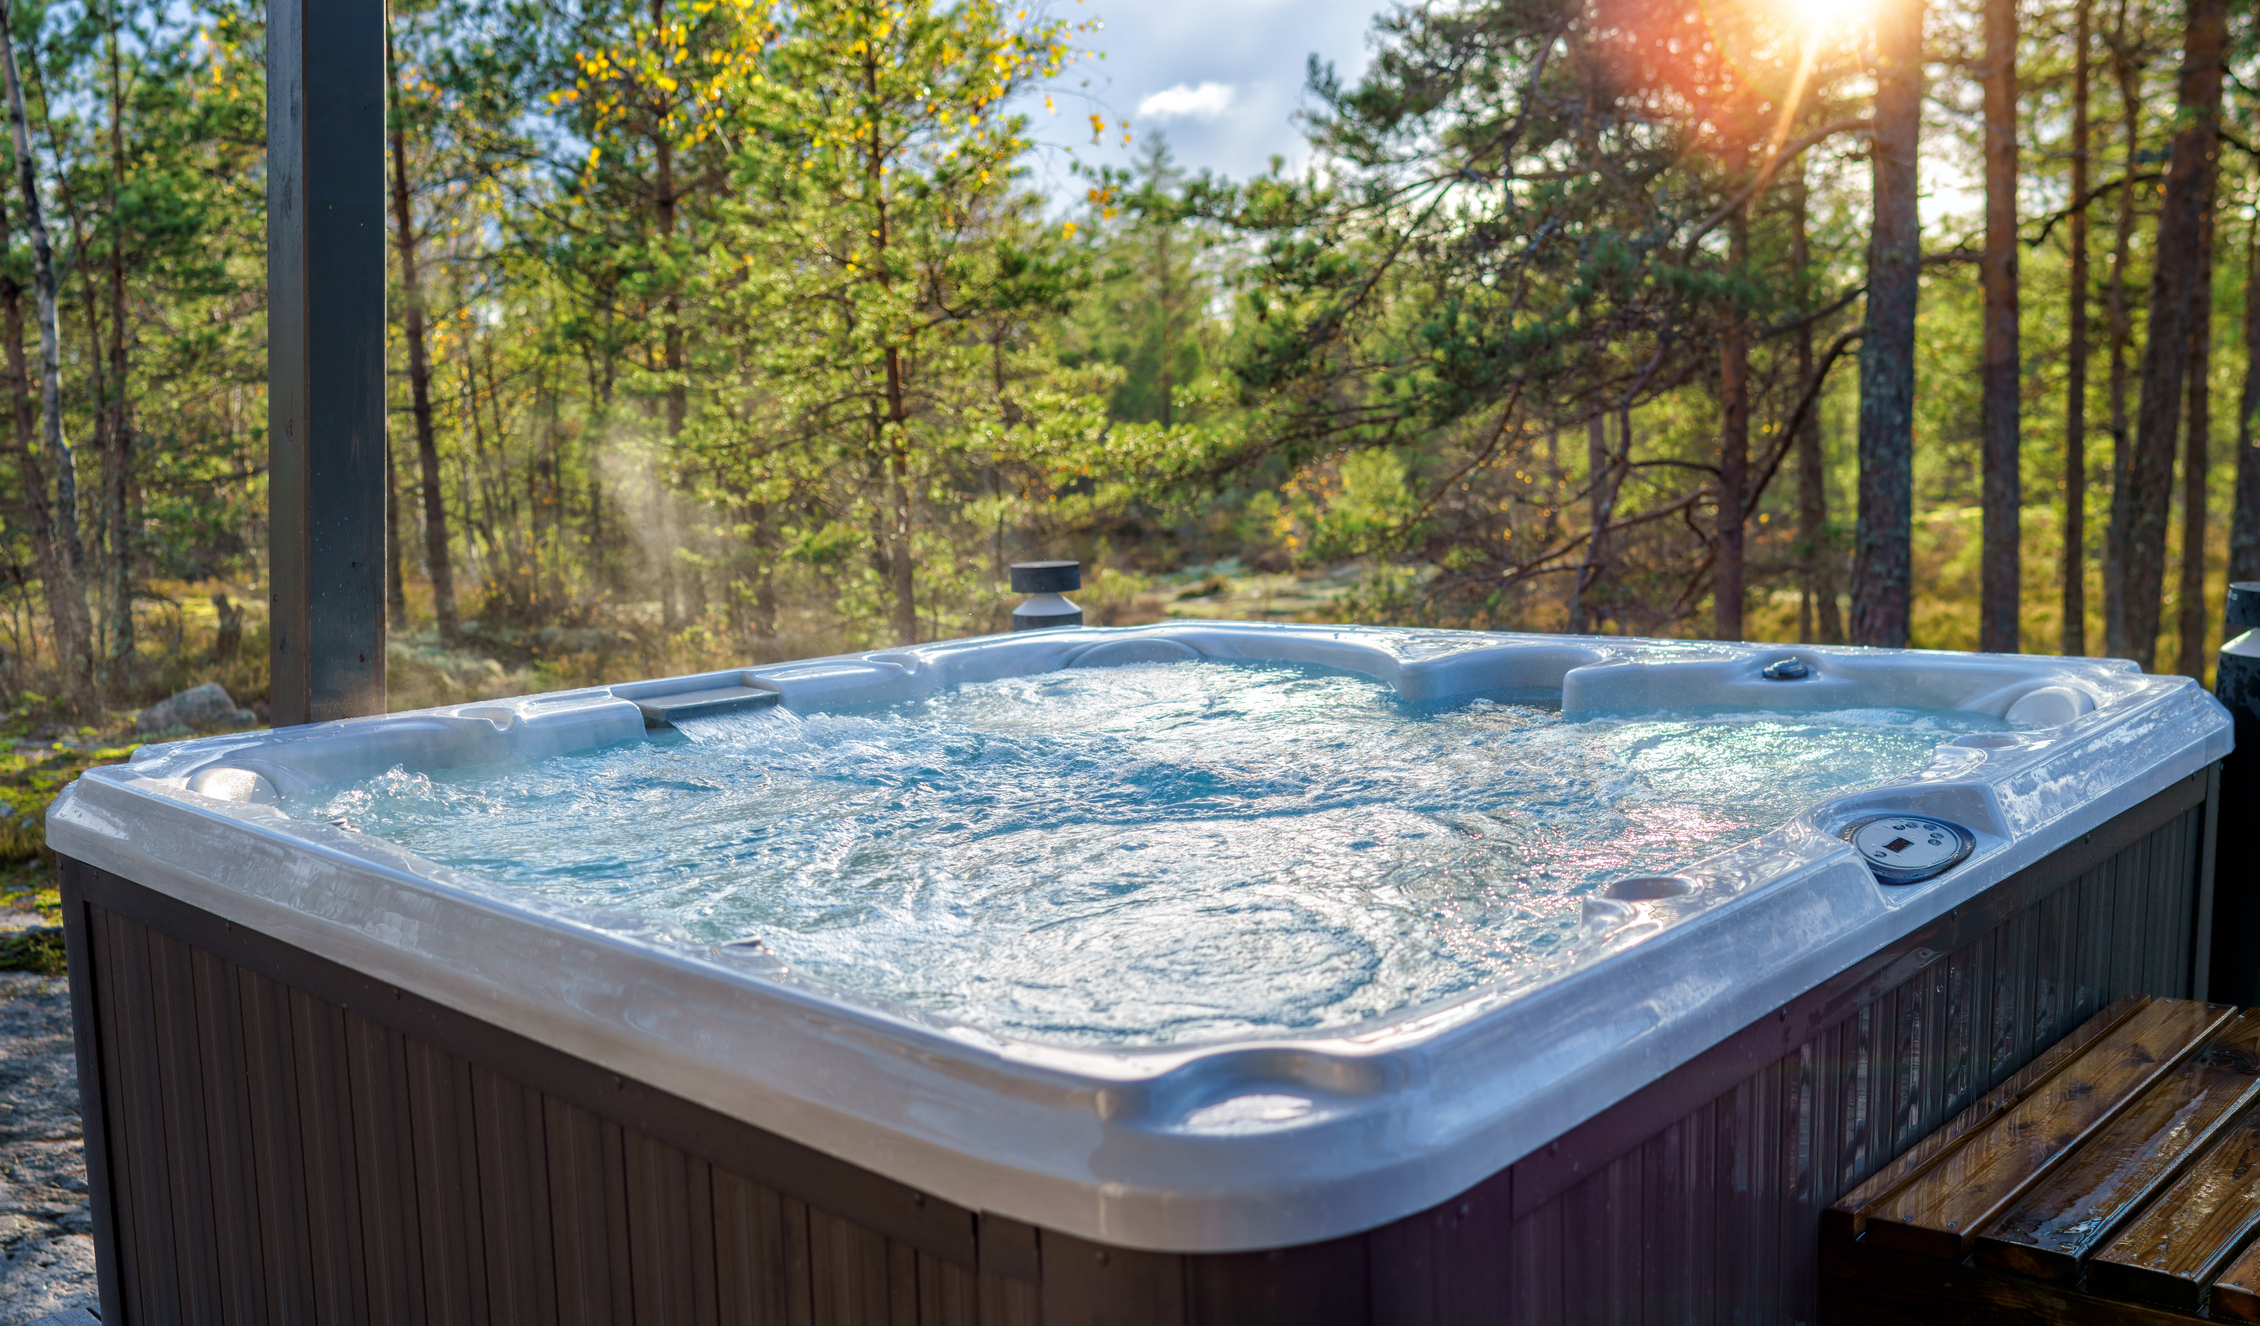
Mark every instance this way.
x=46 y=1248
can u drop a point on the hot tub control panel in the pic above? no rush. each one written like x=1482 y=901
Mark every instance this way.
x=1907 y=849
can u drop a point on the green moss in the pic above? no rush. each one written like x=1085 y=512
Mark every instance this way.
x=39 y=950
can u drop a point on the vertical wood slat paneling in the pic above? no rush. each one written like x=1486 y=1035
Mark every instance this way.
x=588 y=1206
x=1804 y=1154
x=325 y=1129
x=447 y=1186
x=756 y=1273
x=186 y=1138
x=514 y=1201
x=1318 y=1284
x=278 y=1158
x=384 y=1179
x=946 y=1295
x=270 y=1078
x=670 y=1234
x=144 y=1200
x=1535 y=1256
x=240 y=1224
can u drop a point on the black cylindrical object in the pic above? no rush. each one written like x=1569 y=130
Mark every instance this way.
x=2236 y=890
x=1046 y=577
x=1048 y=582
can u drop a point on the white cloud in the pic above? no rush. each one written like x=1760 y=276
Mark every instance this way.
x=1206 y=102
x=1253 y=49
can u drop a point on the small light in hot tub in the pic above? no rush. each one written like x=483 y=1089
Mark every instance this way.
x=1907 y=849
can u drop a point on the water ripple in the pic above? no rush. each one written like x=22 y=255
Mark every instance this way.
x=1156 y=854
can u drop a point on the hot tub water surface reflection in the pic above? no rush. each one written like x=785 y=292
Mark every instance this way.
x=1155 y=854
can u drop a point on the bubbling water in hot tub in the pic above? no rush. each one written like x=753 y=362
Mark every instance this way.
x=1156 y=854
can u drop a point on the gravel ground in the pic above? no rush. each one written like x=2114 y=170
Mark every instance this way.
x=46 y=1248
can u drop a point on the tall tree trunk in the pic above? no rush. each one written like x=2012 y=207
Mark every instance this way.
x=1734 y=433
x=901 y=563
x=1818 y=560
x=436 y=558
x=97 y=381
x=671 y=353
x=2075 y=361
x=2129 y=77
x=2001 y=579
x=1166 y=308
x=119 y=470
x=895 y=438
x=2197 y=452
x=1605 y=472
x=2140 y=509
x=78 y=672
x=396 y=589
x=2244 y=521
x=1882 y=558
x=664 y=199
x=54 y=572
x=601 y=567
x=1597 y=516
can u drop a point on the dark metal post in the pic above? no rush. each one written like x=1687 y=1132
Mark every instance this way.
x=2236 y=886
x=1049 y=582
x=326 y=357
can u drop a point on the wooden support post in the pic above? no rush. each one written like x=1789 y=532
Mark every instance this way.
x=2235 y=975
x=326 y=357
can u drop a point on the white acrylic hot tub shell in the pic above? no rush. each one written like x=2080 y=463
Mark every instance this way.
x=1250 y=1144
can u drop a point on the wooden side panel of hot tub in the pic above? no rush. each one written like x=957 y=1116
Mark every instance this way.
x=275 y=1138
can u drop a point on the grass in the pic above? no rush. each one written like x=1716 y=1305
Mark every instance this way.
x=31 y=774
x=38 y=950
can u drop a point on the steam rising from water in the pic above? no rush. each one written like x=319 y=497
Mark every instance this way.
x=1145 y=855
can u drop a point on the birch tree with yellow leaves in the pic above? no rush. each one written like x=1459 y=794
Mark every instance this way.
x=658 y=90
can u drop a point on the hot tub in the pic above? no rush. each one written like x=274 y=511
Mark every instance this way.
x=329 y=1076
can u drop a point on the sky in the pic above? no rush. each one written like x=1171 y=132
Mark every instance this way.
x=1221 y=79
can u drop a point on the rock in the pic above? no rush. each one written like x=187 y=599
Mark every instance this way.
x=46 y=1224
x=199 y=706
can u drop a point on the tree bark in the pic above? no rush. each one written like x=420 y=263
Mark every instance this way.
x=2129 y=77
x=2197 y=452
x=1734 y=433
x=2140 y=508
x=2001 y=577
x=2075 y=361
x=396 y=591
x=1605 y=473
x=47 y=552
x=664 y=199
x=1882 y=559
x=119 y=467
x=893 y=432
x=1597 y=517
x=1817 y=558
x=78 y=664
x=437 y=562
x=2244 y=521
x=901 y=567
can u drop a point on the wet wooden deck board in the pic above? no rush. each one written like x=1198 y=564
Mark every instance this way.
x=2080 y=1205
x=2117 y=1183
x=2171 y=1252
x=1938 y=1212
x=2236 y=1294
x=1848 y=1216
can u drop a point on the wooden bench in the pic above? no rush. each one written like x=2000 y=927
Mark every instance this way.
x=2115 y=1179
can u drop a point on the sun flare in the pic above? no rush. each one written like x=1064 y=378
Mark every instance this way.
x=1826 y=18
